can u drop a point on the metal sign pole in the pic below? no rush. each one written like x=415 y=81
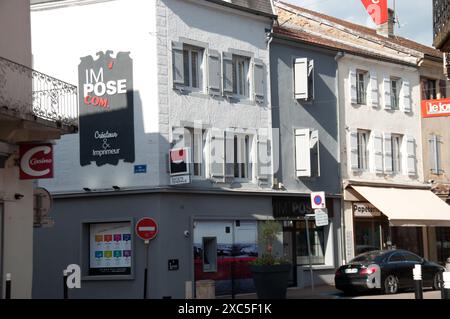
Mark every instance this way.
x=309 y=251
x=146 y=245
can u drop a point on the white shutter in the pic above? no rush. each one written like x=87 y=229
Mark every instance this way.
x=411 y=156
x=258 y=78
x=217 y=151
x=227 y=71
x=387 y=93
x=353 y=136
x=352 y=84
x=373 y=98
x=213 y=72
x=388 y=169
x=406 y=97
x=434 y=165
x=377 y=151
x=177 y=63
x=302 y=153
x=263 y=158
x=301 y=78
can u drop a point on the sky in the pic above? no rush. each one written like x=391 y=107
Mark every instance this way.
x=415 y=16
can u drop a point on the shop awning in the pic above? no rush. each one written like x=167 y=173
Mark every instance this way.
x=407 y=207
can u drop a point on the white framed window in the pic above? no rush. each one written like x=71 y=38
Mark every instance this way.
x=241 y=76
x=395 y=93
x=363 y=149
x=196 y=141
x=242 y=157
x=361 y=87
x=396 y=144
x=307 y=153
x=193 y=67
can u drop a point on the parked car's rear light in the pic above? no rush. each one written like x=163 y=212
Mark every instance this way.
x=367 y=271
x=338 y=272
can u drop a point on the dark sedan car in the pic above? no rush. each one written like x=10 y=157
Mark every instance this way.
x=385 y=270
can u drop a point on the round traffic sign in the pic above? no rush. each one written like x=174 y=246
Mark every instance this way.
x=146 y=228
x=317 y=200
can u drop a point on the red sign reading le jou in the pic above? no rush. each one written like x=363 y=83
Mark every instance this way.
x=377 y=9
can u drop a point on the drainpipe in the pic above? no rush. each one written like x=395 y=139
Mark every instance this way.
x=337 y=58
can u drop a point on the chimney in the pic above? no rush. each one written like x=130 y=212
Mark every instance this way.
x=387 y=29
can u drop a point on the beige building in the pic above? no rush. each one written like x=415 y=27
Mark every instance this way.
x=34 y=107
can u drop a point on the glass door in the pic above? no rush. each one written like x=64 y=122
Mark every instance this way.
x=288 y=251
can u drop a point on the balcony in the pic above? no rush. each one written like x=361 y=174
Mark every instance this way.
x=33 y=105
x=441 y=24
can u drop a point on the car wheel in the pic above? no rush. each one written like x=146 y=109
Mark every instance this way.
x=437 y=281
x=391 y=285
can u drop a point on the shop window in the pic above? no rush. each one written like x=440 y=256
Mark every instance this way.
x=209 y=254
x=109 y=248
x=317 y=241
x=443 y=243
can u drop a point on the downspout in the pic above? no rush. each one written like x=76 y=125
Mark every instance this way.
x=269 y=39
x=337 y=58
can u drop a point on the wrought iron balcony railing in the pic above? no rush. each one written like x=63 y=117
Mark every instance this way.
x=25 y=92
x=441 y=24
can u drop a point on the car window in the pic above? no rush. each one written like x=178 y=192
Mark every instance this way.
x=412 y=258
x=396 y=258
x=373 y=256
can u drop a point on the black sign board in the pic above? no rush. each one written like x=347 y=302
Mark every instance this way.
x=294 y=207
x=173 y=264
x=106 y=109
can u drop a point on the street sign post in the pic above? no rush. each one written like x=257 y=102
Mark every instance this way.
x=318 y=200
x=146 y=229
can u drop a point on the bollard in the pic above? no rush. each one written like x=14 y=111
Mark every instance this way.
x=446 y=276
x=65 y=288
x=8 y=286
x=418 y=285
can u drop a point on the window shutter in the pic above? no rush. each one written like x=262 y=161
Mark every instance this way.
x=177 y=63
x=411 y=155
x=406 y=95
x=227 y=62
x=353 y=135
x=302 y=153
x=374 y=89
x=435 y=154
x=443 y=88
x=387 y=93
x=301 y=78
x=217 y=159
x=263 y=158
x=258 y=77
x=378 y=152
x=352 y=83
x=388 y=169
x=213 y=72
x=229 y=156
x=314 y=145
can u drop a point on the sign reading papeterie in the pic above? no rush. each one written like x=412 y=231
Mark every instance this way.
x=436 y=108
x=365 y=210
x=36 y=161
x=106 y=109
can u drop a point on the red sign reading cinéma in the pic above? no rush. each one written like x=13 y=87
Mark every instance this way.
x=36 y=161
x=378 y=10
x=436 y=108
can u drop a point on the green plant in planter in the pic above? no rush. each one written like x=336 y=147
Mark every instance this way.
x=270 y=273
x=267 y=235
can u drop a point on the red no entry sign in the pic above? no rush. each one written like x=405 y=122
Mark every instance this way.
x=146 y=228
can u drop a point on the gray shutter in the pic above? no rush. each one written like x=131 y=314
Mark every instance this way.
x=373 y=98
x=352 y=84
x=406 y=97
x=387 y=93
x=263 y=158
x=353 y=136
x=229 y=156
x=388 y=169
x=217 y=151
x=301 y=79
x=411 y=156
x=302 y=153
x=214 y=72
x=433 y=154
x=258 y=77
x=227 y=71
x=378 y=152
x=177 y=64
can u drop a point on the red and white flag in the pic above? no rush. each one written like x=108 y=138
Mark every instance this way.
x=377 y=9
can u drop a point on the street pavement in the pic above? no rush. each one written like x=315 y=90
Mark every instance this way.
x=330 y=292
